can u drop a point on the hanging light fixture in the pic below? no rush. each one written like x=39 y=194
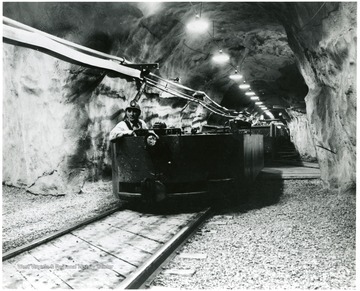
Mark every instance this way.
x=244 y=86
x=250 y=93
x=236 y=76
x=220 y=57
x=198 y=25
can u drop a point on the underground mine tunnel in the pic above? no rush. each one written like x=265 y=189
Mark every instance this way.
x=298 y=58
x=260 y=98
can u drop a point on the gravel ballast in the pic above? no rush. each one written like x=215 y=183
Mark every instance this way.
x=303 y=239
x=27 y=217
x=290 y=234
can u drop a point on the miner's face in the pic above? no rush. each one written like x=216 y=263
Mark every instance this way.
x=132 y=114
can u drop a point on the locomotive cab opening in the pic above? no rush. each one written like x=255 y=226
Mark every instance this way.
x=163 y=163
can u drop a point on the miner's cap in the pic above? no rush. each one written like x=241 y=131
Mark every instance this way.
x=134 y=105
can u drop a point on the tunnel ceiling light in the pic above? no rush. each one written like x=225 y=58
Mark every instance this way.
x=236 y=76
x=250 y=93
x=254 y=97
x=198 y=25
x=258 y=102
x=244 y=86
x=220 y=57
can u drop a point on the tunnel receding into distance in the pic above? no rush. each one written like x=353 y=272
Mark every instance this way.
x=299 y=59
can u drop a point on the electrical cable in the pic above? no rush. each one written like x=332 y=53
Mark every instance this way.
x=313 y=16
x=12 y=23
x=194 y=49
x=193 y=6
x=187 y=97
x=213 y=106
x=27 y=35
x=41 y=41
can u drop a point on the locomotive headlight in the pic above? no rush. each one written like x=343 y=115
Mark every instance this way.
x=151 y=140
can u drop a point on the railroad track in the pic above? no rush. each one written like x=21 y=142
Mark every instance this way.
x=47 y=238
x=117 y=249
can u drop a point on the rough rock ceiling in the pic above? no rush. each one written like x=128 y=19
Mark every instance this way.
x=156 y=32
x=254 y=39
x=89 y=101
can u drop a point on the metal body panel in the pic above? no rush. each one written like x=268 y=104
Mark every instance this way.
x=268 y=140
x=184 y=164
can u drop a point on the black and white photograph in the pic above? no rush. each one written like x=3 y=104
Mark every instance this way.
x=179 y=145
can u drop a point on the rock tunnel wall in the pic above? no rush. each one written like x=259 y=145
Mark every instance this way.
x=57 y=115
x=323 y=37
x=301 y=136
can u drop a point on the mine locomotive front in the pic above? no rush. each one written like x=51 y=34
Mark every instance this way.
x=173 y=164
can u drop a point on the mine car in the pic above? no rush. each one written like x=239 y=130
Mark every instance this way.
x=153 y=167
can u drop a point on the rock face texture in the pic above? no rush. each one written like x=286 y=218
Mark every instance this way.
x=323 y=37
x=57 y=115
x=301 y=136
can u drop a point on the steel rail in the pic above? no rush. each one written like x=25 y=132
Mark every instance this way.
x=138 y=278
x=61 y=232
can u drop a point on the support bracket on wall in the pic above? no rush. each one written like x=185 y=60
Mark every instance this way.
x=138 y=94
x=331 y=151
x=142 y=67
